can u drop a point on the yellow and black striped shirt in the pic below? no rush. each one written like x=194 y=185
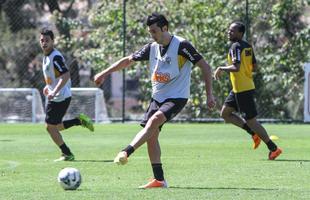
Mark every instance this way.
x=242 y=53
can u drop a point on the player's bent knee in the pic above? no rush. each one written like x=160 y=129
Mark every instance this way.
x=50 y=127
x=156 y=121
x=225 y=116
x=251 y=121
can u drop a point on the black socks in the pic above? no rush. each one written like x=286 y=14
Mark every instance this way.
x=71 y=122
x=248 y=129
x=158 y=171
x=129 y=150
x=271 y=145
x=65 y=150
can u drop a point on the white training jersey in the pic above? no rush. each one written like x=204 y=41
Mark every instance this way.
x=169 y=80
x=53 y=67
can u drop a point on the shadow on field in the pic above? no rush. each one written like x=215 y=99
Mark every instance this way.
x=6 y=140
x=107 y=161
x=219 y=188
x=291 y=160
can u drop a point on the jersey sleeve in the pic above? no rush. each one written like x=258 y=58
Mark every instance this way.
x=189 y=52
x=235 y=53
x=143 y=54
x=59 y=65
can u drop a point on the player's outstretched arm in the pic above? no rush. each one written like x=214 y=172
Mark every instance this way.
x=119 y=65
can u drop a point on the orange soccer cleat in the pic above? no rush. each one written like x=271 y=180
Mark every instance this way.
x=154 y=184
x=256 y=141
x=274 y=154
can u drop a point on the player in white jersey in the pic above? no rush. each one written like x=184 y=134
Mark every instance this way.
x=57 y=90
x=170 y=60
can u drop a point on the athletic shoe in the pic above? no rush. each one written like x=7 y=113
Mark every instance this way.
x=121 y=158
x=154 y=184
x=256 y=140
x=64 y=157
x=86 y=122
x=274 y=154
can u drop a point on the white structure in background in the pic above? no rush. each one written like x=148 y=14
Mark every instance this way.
x=89 y=101
x=25 y=105
x=21 y=105
x=307 y=93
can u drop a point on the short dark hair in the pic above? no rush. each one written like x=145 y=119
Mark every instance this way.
x=157 y=18
x=240 y=26
x=46 y=31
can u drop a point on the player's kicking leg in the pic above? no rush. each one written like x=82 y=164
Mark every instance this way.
x=144 y=135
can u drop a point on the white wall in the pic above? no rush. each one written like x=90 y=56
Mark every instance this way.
x=307 y=93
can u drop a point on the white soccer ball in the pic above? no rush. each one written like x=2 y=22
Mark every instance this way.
x=69 y=178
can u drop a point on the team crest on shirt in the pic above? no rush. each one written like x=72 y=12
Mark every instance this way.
x=165 y=59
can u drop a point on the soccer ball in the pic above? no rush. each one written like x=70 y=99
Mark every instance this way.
x=69 y=178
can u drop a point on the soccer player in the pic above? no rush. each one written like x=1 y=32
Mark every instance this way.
x=170 y=62
x=57 y=91
x=241 y=63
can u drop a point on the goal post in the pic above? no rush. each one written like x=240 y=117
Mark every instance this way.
x=25 y=105
x=307 y=93
x=21 y=105
x=89 y=101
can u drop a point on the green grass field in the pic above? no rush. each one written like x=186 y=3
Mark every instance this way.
x=201 y=161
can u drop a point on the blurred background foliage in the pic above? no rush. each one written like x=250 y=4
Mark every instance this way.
x=92 y=31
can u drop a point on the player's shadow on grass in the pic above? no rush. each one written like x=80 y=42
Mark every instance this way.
x=291 y=160
x=106 y=161
x=219 y=188
x=6 y=140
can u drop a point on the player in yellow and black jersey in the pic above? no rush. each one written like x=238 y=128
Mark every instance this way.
x=241 y=63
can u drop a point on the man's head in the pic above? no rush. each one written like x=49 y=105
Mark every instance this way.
x=236 y=31
x=47 y=40
x=157 y=18
x=157 y=27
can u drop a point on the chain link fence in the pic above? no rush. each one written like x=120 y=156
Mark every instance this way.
x=21 y=56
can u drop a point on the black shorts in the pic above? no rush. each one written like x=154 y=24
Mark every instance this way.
x=55 y=111
x=170 y=108
x=243 y=102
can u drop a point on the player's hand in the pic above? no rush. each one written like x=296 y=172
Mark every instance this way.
x=51 y=95
x=45 y=90
x=218 y=72
x=99 y=79
x=211 y=101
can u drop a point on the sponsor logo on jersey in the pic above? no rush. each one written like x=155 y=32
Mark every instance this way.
x=188 y=54
x=161 y=77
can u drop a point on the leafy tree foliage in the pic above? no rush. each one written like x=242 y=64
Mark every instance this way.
x=279 y=34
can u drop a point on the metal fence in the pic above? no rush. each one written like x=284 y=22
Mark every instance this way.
x=21 y=57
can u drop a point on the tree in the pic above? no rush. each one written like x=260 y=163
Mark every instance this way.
x=280 y=37
x=275 y=38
